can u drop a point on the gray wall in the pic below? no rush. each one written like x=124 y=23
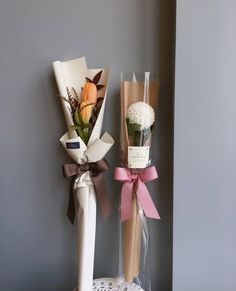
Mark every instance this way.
x=205 y=147
x=37 y=244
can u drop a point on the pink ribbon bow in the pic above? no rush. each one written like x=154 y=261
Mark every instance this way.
x=143 y=195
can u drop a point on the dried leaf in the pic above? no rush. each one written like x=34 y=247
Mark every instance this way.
x=68 y=93
x=88 y=80
x=64 y=98
x=100 y=99
x=97 y=77
x=96 y=111
x=73 y=101
x=76 y=103
x=75 y=93
x=99 y=87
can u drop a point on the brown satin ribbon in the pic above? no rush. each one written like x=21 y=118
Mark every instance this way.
x=96 y=169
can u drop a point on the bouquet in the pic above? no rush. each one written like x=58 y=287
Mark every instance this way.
x=83 y=94
x=138 y=115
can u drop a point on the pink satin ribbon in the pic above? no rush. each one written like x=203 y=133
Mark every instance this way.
x=143 y=195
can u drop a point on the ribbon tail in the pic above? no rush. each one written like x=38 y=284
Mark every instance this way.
x=102 y=195
x=71 y=204
x=126 y=201
x=146 y=202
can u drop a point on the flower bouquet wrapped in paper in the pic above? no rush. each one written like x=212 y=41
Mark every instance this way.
x=139 y=92
x=83 y=94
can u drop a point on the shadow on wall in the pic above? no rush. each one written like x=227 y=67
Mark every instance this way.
x=163 y=15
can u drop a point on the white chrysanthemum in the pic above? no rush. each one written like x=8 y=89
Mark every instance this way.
x=142 y=114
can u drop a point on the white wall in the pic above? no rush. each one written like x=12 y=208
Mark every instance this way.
x=205 y=147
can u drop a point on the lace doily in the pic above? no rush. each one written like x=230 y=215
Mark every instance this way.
x=110 y=284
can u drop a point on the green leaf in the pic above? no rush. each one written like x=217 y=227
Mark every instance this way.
x=85 y=125
x=83 y=131
x=75 y=127
x=77 y=116
x=132 y=127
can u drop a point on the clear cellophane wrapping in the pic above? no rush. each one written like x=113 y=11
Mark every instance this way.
x=134 y=258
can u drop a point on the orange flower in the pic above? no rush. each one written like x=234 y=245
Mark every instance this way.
x=86 y=111
x=88 y=101
x=89 y=93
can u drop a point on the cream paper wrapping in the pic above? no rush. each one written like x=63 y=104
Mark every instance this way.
x=72 y=74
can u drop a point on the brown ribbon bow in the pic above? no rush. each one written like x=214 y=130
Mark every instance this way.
x=96 y=169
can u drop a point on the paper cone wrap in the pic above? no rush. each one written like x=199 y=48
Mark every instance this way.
x=72 y=74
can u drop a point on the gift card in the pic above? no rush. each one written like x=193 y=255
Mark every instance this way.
x=138 y=157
